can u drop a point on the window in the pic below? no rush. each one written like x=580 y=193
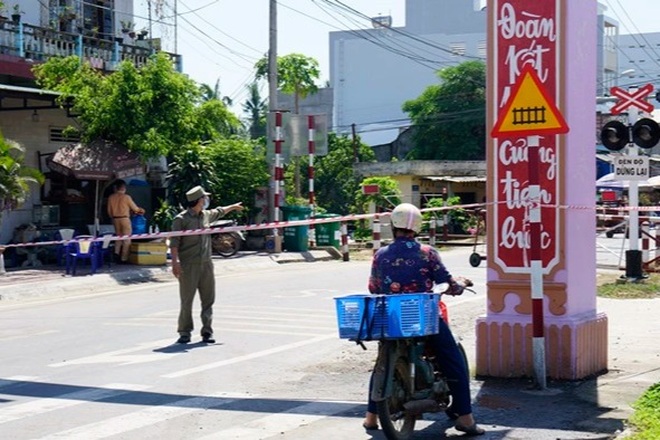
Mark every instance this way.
x=56 y=134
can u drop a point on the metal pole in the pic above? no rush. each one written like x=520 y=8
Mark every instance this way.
x=633 y=255
x=376 y=234
x=176 y=22
x=2 y=261
x=344 y=242
x=536 y=263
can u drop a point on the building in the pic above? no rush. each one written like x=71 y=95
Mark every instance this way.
x=31 y=32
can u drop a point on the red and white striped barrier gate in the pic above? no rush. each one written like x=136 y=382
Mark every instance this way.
x=344 y=241
x=376 y=234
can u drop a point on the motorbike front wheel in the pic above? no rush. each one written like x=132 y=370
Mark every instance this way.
x=396 y=423
x=225 y=245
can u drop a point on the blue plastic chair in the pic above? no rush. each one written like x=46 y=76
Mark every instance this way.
x=82 y=248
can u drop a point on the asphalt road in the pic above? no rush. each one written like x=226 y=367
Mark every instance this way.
x=104 y=365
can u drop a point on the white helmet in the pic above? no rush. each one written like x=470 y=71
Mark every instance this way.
x=407 y=216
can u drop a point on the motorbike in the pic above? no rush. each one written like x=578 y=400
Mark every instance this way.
x=408 y=382
x=228 y=243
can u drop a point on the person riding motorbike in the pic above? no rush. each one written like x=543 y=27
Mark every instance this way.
x=406 y=266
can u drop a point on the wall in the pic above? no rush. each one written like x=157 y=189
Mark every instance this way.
x=33 y=137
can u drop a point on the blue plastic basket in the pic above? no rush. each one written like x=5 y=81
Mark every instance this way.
x=367 y=317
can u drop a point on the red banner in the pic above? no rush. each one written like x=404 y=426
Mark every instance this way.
x=526 y=36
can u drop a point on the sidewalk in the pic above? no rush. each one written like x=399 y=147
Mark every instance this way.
x=52 y=280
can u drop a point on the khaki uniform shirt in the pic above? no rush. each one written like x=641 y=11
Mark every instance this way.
x=120 y=205
x=194 y=248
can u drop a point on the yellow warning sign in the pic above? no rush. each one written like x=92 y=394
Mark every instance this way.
x=530 y=110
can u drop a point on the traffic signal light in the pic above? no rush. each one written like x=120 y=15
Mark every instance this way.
x=646 y=133
x=615 y=136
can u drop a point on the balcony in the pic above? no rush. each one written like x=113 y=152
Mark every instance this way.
x=38 y=44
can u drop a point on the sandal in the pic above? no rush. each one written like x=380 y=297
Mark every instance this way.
x=370 y=427
x=470 y=431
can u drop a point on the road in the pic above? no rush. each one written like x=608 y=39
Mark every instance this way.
x=106 y=366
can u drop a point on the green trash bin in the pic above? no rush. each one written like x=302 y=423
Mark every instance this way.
x=328 y=234
x=296 y=238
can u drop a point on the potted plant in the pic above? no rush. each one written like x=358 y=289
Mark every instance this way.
x=128 y=27
x=143 y=33
x=16 y=15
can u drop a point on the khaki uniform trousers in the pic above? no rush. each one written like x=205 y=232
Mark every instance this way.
x=122 y=227
x=195 y=277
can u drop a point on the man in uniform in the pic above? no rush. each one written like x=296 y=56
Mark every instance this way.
x=120 y=206
x=192 y=264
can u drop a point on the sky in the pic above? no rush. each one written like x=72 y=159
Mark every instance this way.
x=222 y=39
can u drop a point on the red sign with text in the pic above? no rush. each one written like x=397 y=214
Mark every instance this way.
x=526 y=37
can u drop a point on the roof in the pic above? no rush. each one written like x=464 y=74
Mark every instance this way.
x=457 y=179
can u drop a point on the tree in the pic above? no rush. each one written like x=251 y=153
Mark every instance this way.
x=449 y=117
x=151 y=110
x=15 y=178
x=188 y=167
x=296 y=75
x=239 y=168
x=256 y=109
x=214 y=120
x=334 y=181
x=213 y=93
x=388 y=196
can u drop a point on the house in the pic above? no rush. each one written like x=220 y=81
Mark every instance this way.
x=100 y=33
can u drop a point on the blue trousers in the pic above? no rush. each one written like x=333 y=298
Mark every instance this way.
x=451 y=363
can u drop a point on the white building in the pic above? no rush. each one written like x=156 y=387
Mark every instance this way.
x=374 y=71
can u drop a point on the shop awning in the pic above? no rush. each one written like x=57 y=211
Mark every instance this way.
x=96 y=160
x=457 y=179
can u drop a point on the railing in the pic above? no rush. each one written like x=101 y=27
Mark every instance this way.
x=38 y=44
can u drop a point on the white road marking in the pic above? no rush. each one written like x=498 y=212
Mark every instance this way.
x=38 y=407
x=26 y=335
x=276 y=424
x=123 y=356
x=247 y=357
x=146 y=417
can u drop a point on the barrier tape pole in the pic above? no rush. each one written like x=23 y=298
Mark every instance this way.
x=432 y=225
x=279 y=174
x=376 y=234
x=2 y=261
x=646 y=232
x=344 y=242
x=310 y=172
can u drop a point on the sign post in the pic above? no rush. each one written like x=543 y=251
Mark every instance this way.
x=615 y=136
x=531 y=111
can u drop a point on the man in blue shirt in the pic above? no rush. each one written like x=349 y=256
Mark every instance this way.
x=406 y=266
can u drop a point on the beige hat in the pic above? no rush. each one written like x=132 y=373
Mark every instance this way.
x=196 y=193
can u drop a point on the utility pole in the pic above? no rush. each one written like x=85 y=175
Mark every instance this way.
x=272 y=102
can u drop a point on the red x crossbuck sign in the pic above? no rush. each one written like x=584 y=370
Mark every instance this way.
x=635 y=99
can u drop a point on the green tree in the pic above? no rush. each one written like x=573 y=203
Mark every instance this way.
x=213 y=93
x=334 y=181
x=296 y=75
x=256 y=109
x=214 y=120
x=151 y=110
x=449 y=117
x=188 y=167
x=388 y=196
x=15 y=177
x=239 y=168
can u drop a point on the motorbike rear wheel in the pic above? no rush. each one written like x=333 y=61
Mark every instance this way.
x=225 y=244
x=396 y=423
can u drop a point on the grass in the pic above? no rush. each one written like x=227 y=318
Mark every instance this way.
x=646 y=419
x=612 y=286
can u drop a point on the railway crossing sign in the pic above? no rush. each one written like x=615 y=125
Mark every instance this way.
x=530 y=110
x=636 y=98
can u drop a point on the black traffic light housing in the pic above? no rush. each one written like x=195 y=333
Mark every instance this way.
x=646 y=133
x=615 y=136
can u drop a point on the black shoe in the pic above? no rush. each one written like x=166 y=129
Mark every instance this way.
x=208 y=338
x=183 y=339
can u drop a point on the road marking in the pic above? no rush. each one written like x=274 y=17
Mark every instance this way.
x=146 y=417
x=30 y=335
x=123 y=357
x=38 y=407
x=268 y=332
x=277 y=424
x=247 y=357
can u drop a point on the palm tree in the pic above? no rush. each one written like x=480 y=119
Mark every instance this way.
x=15 y=179
x=256 y=108
x=210 y=93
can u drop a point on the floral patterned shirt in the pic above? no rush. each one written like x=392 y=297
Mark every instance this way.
x=406 y=266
